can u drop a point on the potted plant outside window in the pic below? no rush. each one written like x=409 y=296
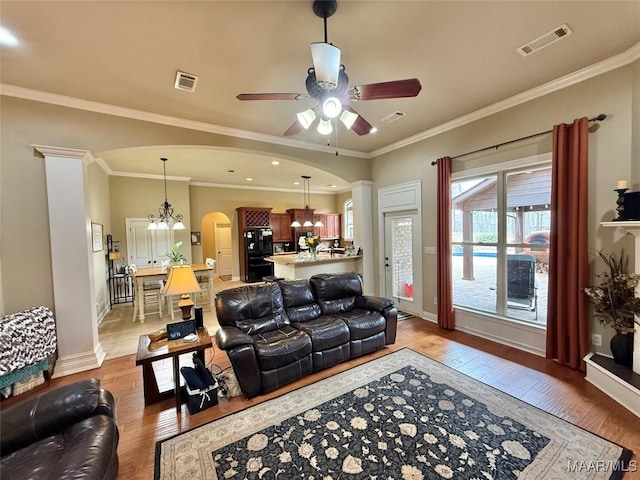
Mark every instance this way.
x=615 y=304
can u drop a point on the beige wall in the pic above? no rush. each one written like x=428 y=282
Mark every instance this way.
x=100 y=212
x=138 y=197
x=225 y=200
x=25 y=248
x=610 y=155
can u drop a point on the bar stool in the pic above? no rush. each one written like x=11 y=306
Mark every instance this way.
x=151 y=296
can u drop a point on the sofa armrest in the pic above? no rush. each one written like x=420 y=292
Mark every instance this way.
x=41 y=416
x=228 y=338
x=369 y=302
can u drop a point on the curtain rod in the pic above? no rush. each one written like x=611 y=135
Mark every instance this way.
x=599 y=118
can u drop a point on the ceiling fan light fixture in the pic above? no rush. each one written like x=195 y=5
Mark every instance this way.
x=306 y=118
x=324 y=127
x=326 y=63
x=331 y=107
x=348 y=118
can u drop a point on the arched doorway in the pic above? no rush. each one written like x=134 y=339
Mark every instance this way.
x=216 y=242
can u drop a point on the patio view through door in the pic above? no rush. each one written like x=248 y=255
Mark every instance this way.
x=402 y=256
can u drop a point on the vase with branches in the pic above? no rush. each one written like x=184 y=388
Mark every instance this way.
x=615 y=303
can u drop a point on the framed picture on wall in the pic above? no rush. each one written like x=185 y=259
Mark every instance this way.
x=96 y=236
x=195 y=238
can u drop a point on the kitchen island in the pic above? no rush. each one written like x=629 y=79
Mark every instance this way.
x=295 y=266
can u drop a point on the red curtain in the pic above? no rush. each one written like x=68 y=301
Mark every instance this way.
x=567 y=311
x=445 y=296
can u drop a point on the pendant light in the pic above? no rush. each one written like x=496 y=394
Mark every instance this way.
x=165 y=211
x=306 y=193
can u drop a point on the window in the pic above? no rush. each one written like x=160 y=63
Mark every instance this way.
x=500 y=235
x=348 y=220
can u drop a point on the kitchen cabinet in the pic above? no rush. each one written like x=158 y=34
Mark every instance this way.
x=281 y=226
x=320 y=231
x=331 y=229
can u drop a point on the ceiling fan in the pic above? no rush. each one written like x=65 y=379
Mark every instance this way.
x=327 y=83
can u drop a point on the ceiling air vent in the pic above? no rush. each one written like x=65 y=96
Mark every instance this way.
x=392 y=117
x=186 y=82
x=545 y=40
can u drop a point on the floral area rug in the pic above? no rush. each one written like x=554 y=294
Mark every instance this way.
x=400 y=416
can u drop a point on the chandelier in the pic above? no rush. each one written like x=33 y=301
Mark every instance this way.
x=306 y=192
x=165 y=211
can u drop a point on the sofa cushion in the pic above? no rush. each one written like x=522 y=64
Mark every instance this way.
x=362 y=323
x=298 y=300
x=254 y=309
x=281 y=347
x=325 y=332
x=336 y=293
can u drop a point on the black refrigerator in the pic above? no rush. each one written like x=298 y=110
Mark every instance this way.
x=258 y=243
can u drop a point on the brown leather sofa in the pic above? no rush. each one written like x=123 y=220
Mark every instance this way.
x=276 y=333
x=68 y=433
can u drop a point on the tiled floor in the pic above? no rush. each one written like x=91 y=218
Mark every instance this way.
x=119 y=335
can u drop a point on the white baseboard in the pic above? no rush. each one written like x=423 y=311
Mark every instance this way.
x=430 y=317
x=622 y=392
x=79 y=362
x=498 y=330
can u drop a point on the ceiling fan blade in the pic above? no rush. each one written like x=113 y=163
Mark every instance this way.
x=395 y=89
x=360 y=126
x=271 y=96
x=293 y=129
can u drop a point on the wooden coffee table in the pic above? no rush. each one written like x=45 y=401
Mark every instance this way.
x=149 y=352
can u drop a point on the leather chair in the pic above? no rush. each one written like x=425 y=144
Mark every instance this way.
x=265 y=351
x=329 y=335
x=68 y=433
x=372 y=321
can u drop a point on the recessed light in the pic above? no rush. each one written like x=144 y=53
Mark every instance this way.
x=275 y=162
x=7 y=38
x=296 y=183
x=249 y=179
x=333 y=186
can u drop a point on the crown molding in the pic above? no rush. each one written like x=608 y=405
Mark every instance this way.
x=150 y=176
x=630 y=55
x=617 y=61
x=63 y=152
x=256 y=187
x=100 y=161
x=104 y=108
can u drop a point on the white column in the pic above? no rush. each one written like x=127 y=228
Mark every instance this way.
x=362 y=196
x=79 y=348
x=634 y=229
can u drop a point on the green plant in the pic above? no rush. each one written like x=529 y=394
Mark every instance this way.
x=613 y=298
x=486 y=238
x=175 y=255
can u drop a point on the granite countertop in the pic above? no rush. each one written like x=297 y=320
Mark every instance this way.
x=292 y=259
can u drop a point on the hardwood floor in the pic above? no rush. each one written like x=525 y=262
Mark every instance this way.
x=553 y=388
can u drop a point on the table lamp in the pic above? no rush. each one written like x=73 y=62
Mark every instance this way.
x=182 y=281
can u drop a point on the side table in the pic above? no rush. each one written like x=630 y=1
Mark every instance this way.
x=149 y=352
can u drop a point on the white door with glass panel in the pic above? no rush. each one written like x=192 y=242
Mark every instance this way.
x=403 y=267
x=224 y=259
x=146 y=248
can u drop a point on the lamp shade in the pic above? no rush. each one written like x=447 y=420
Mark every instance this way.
x=306 y=118
x=348 y=118
x=324 y=127
x=326 y=63
x=181 y=280
x=178 y=226
x=115 y=255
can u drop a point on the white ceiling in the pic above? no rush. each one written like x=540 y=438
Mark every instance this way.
x=126 y=54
